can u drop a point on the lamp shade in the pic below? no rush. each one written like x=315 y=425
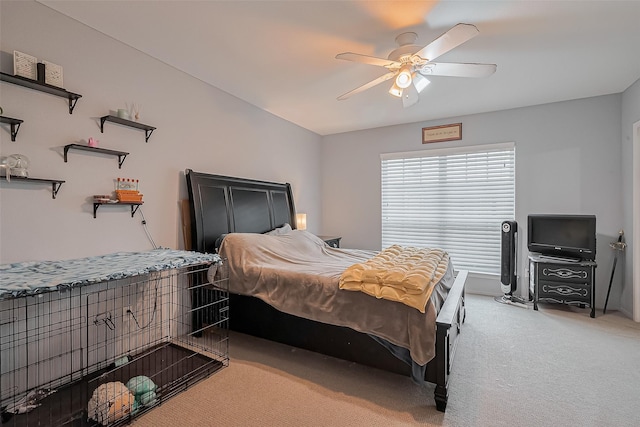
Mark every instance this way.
x=403 y=80
x=395 y=90
x=420 y=82
x=301 y=221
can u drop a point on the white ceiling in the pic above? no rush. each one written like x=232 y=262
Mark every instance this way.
x=280 y=55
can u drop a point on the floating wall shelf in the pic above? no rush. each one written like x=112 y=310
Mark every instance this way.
x=114 y=119
x=121 y=154
x=55 y=183
x=42 y=87
x=134 y=206
x=15 y=125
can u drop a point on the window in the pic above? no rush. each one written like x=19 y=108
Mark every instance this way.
x=454 y=199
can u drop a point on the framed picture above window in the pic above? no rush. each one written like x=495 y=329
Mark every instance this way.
x=442 y=133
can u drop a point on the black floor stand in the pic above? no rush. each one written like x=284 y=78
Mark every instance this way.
x=617 y=247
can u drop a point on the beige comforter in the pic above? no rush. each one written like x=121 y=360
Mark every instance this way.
x=297 y=273
x=399 y=273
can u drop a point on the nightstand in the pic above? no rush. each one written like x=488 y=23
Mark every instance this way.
x=333 y=241
x=553 y=280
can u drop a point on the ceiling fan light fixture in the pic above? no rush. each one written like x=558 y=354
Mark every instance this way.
x=420 y=82
x=396 y=90
x=408 y=64
x=403 y=80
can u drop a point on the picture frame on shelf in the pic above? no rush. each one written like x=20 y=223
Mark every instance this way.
x=25 y=65
x=53 y=74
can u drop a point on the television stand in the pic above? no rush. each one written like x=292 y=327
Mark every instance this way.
x=562 y=281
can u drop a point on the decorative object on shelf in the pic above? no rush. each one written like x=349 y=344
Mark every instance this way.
x=52 y=74
x=618 y=247
x=442 y=133
x=123 y=113
x=40 y=67
x=129 y=196
x=103 y=198
x=15 y=165
x=127 y=184
x=92 y=142
x=127 y=190
x=134 y=111
x=25 y=65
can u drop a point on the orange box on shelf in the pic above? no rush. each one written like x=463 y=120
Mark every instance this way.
x=129 y=196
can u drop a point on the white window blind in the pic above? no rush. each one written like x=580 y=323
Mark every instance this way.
x=454 y=199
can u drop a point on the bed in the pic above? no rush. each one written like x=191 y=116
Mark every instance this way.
x=221 y=205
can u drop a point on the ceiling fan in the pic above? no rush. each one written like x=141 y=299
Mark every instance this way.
x=409 y=64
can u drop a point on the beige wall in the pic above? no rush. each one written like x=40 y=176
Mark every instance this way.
x=198 y=127
x=567 y=161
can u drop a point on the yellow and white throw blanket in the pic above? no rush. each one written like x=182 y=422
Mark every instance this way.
x=404 y=274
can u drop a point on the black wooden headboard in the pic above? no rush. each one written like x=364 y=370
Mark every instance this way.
x=223 y=204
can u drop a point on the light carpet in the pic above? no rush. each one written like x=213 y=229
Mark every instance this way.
x=514 y=367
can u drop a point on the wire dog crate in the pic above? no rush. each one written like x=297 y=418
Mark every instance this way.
x=100 y=353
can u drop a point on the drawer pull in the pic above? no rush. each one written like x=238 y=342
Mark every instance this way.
x=565 y=273
x=565 y=290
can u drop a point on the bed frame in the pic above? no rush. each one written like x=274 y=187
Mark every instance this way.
x=222 y=204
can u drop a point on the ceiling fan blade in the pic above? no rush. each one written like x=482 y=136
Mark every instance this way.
x=409 y=96
x=371 y=60
x=458 y=69
x=366 y=86
x=447 y=41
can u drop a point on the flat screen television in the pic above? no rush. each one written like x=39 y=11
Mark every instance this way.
x=569 y=236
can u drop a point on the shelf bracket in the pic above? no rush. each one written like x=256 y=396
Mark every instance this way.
x=55 y=187
x=14 y=125
x=134 y=208
x=95 y=209
x=72 y=103
x=102 y=120
x=14 y=130
x=121 y=158
x=147 y=134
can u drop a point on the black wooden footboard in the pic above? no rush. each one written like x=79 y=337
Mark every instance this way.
x=448 y=323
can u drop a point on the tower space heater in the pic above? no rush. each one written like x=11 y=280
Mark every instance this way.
x=509 y=263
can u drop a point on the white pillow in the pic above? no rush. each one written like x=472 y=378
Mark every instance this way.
x=286 y=228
